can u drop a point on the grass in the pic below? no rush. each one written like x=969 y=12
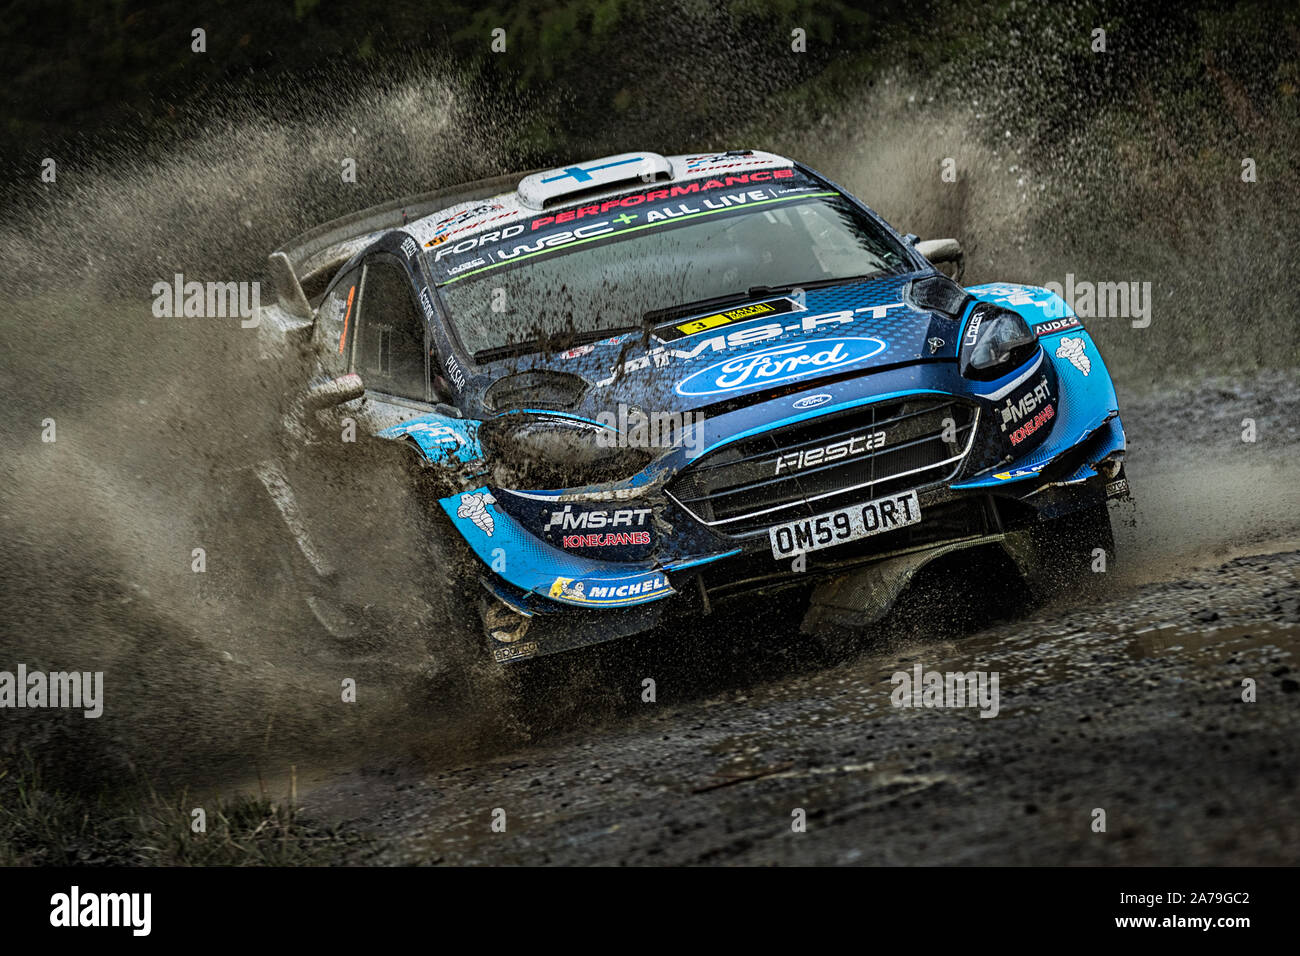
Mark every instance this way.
x=46 y=826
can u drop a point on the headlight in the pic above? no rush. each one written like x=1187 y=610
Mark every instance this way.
x=996 y=341
x=543 y=451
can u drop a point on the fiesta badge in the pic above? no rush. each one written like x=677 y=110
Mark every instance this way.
x=779 y=364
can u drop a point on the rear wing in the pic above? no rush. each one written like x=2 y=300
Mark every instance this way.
x=302 y=267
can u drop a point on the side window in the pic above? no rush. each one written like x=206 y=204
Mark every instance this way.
x=336 y=321
x=390 y=352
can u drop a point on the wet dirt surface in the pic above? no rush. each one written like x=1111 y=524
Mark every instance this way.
x=1125 y=697
x=1133 y=706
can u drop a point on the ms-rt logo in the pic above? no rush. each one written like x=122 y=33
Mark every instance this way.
x=76 y=909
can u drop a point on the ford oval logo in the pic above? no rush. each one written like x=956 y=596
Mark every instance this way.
x=779 y=364
x=811 y=401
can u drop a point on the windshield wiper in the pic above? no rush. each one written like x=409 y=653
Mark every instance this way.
x=558 y=342
x=760 y=290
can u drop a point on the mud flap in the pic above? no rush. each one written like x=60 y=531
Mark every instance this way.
x=855 y=601
x=1026 y=551
x=273 y=479
x=313 y=574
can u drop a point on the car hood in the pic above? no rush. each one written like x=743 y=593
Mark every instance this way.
x=772 y=342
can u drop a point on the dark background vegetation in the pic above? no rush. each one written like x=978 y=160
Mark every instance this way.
x=96 y=72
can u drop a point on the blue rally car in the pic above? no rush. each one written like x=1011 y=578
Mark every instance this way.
x=644 y=386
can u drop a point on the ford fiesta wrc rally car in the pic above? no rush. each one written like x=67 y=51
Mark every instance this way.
x=644 y=386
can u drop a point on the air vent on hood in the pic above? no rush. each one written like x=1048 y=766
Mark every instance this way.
x=541 y=388
x=940 y=294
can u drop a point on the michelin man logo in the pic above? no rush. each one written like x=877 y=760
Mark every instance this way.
x=474 y=507
x=1072 y=349
x=565 y=587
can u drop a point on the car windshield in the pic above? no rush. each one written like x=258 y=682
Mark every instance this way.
x=564 y=292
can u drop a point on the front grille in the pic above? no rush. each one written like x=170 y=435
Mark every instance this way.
x=806 y=468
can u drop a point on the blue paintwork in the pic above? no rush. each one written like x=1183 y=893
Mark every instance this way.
x=581 y=174
x=1086 y=401
x=440 y=437
x=530 y=564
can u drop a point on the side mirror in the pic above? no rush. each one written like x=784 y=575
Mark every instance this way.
x=943 y=250
x=337 y=391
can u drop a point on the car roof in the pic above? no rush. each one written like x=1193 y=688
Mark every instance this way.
x=555 y=190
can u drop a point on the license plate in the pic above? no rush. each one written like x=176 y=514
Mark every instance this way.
x=847 y=524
